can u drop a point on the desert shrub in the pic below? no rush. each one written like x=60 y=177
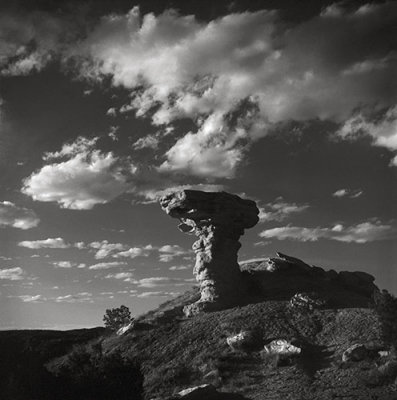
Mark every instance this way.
x=115 y=318
x=386 y=308
x=87 y=373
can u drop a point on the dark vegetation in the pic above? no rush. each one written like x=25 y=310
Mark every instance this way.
x=115 y=318
x=165 y=352
x=85 y=373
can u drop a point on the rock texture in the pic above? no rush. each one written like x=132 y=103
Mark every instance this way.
x=357 y=352
x=218 y=219
x=307 y=301
x=283 y=276
x=239 y=341
x=283 y=348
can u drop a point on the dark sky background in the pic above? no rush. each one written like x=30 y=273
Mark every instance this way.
x=105 y=106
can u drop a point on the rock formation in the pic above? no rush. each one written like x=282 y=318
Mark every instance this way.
x=218 y=219
x=283 y=277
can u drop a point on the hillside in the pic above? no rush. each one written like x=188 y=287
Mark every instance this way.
x=188 y=352
x=176 y=352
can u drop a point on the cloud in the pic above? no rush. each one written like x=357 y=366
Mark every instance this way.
x=240 y=75
x=28 y=42
x=125 y=276
x=361 y=233
x=32 y=299
x=83 y=297
x=352 y=194
x=108 y=265
x=17 y=217
x=147 y=142
x=12 y=274
x=50 y=243
x=280 y=210
x=63 y=264
x=104 y=248
x=382 y=129
x=157 y=294
x=67 y=264
x=87 y=177
x=169 y=252
x=178 y=267
x=133 y=252
x=160 y=281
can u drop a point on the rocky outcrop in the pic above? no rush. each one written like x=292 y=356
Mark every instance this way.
x=125 y=329
x=357 y=352
x=283 y=348
x=218 y=219
x=283 y=276
x=240 y=340
x=307 y=301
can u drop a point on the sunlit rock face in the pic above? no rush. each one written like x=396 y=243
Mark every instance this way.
x=218 y=219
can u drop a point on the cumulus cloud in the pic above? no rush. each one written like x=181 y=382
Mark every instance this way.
x=50 y=243
x=159 y=281
x=383 y=128
x=280 y=210
x=178 y=267
x=32 y=298
x=352 y=194
x=135 y=252
x=67 y=264
x=104 y=248
x=107 y=265
x=17 y=217
x=28 y=42
x=83 y=297
x=147 y=142
x=169 y=252
x=239 y=76
x=361 y=233
x=125 y=276
x=12 y=274
x=157 y=294
x=87 y=177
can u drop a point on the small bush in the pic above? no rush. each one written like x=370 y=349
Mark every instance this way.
x=88 y=374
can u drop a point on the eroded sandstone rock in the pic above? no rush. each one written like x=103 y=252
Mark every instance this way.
x=357 y=352
x=218 y=219
x=283 y=348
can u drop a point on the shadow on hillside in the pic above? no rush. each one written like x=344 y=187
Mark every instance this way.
x=314 y=358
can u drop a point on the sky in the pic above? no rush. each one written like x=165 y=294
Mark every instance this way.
x=105 y=106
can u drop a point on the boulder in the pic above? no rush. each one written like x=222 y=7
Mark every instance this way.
x=201 y=392
x=283 y=348
x=357 y=352
x=124 y=329
x=239 y=341
x=218 y=219
x=307 y=301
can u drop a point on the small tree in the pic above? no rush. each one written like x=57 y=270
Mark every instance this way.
x=115 y=318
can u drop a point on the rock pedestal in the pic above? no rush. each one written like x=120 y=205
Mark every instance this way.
x=218 y=219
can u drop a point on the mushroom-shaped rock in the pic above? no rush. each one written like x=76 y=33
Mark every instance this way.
x=218 y=219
